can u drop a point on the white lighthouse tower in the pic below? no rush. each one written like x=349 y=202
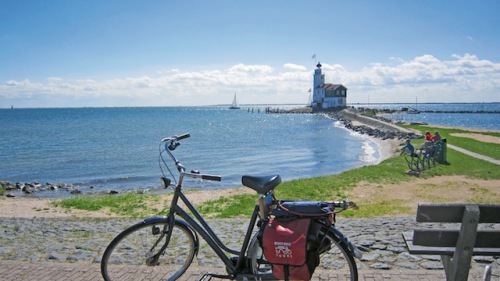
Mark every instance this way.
x=319 y=80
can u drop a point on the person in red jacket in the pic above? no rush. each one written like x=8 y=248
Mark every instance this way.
x=428 y=136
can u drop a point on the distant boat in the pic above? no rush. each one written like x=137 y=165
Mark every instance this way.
x=414 y=110
x=235 y=104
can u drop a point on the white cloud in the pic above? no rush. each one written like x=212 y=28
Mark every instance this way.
x=463 y=78
x=251 y=68
x=294 y=67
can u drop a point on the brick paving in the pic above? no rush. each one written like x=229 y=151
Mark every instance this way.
x=51 y=271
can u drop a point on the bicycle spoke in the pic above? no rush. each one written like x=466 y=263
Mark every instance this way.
x=131 y=256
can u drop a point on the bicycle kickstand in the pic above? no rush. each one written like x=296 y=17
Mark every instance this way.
x=205 y=277
x=208 y=276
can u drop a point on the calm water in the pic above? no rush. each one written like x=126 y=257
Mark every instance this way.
x=117 y=148
x=487 y=121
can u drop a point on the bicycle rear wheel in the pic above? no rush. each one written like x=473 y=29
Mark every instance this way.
x=128 y=256
x=335 y=258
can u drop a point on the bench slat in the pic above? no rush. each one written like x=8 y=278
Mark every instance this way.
x=425 y=250
x=453 y=212
x=449 y=238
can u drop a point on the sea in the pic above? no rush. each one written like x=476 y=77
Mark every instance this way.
x=98 y=150
x=483 y=116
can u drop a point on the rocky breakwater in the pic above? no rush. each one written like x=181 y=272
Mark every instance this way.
x=374 y=127
x=30 y=188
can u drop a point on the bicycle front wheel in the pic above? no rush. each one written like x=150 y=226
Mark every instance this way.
x=129 y=255
x=335 y=258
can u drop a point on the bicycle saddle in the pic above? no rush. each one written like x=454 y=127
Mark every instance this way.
x=261 y=184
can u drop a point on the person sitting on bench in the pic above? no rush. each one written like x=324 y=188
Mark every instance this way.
x=410 y=148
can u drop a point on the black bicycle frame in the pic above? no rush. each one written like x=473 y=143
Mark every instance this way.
x=208 y=234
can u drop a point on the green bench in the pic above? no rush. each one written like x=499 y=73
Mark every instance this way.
x=456 y=246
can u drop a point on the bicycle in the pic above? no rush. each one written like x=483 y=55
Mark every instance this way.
x=413 y=161
x=163 y=247
x=428 y=156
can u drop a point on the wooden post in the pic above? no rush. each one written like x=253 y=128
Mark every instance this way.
x=458 y=268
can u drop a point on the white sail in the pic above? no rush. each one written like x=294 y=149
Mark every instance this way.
x=235 y=104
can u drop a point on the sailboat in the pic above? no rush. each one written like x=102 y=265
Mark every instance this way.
x=235 y=104
x=414 y=110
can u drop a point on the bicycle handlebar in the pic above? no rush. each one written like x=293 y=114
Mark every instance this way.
x=203 y=177
x=171 y=143
x=211 y=177
x=176 y=138
x=183 y=136
x=345 y=205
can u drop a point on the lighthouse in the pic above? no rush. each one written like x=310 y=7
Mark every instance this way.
x=326 y=96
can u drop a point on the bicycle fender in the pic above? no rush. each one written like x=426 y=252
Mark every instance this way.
x=153 y=219
x=180 y=222
x=350 y=245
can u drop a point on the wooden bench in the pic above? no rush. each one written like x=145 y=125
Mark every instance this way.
x=456 y=246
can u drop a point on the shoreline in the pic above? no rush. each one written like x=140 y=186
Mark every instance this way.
x=380 y=150
x=22 y=207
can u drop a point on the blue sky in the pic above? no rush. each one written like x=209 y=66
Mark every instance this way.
x=167 y=53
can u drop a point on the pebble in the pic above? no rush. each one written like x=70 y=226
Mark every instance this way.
x=85 y=239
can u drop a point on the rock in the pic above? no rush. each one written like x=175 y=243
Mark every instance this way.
x=28 y=189
x=379 y=246
x=396 y=249
x=387 y=259
x=407 y=265
x=432 y=257
x=55 y=256
x=380 y=265
x=483 y=259
x=408 y=257
x=432 y=265
x=369 y=257
x=72 y=258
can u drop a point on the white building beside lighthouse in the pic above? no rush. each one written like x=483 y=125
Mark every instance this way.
x=326 y=96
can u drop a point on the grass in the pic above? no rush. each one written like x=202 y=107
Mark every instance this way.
x=337 y=187
x=324 y=188
x=129 y=205
x=229 y=207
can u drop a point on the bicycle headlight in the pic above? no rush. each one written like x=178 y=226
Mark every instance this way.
x=165 y=182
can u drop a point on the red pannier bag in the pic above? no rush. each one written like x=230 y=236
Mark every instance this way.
x=285 y=247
